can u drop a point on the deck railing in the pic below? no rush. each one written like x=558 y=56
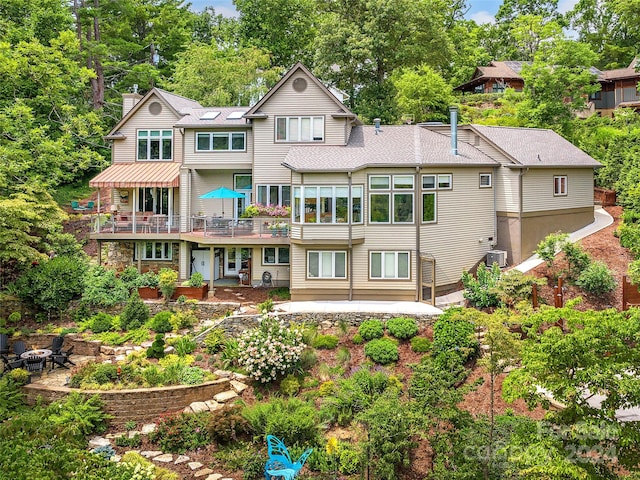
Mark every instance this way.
x=240 y=227
x=136 y=223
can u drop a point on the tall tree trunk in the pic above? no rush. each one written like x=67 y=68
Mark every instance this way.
x=97 y=84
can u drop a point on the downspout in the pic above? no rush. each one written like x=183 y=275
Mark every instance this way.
x=495 y=208
x=522 y=173
x=418 y=211
x=350 y=244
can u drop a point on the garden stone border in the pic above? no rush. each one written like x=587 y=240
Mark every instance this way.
x=139 y=405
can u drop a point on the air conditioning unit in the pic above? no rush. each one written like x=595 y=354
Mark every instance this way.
x=497 y=256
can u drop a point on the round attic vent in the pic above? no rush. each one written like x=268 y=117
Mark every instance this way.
x=299 y=84
x=155 y=108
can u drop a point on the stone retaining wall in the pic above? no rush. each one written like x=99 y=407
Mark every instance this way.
x=80 y=346
x=139 y=405
x=235 y=325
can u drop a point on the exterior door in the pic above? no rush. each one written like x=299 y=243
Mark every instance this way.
x=200 y=263
x=235 y=259
x=242 y=183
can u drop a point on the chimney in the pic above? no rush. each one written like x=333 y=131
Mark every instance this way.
x=129 y=101
x=453 y=110
x=376 y=122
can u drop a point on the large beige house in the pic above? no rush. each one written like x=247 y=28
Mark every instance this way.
x=391 y=212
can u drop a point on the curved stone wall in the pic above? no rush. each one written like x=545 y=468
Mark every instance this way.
x=139 y=405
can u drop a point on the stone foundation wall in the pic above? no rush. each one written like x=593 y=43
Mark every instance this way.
x=140 y=405
x=119 y=255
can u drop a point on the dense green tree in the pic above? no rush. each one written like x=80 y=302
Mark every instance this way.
x=284 y=28
x=26 y=20
x=361 y=43
x=230 y=76
x=422 y=93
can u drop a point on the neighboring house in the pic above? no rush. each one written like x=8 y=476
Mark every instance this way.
x=395 y=213
x=495 y=78
x=619 y=88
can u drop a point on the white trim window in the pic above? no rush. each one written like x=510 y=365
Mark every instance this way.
x=485 y=180
x=299 y=129
x=220 y=141
x=391 y=195
x=440 y=181
x=275 y=256
x=326 y=264
x=155 y=144
x=274 y=195
x=155 y=250
x=389 y=265
x=429 y=207
x=327 y=204
x=560 y=186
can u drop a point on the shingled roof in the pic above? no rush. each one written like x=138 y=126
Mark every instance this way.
x=395 y=146
x=536 y=147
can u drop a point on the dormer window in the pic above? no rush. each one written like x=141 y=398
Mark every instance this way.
x=299 y=129
x=155 y=144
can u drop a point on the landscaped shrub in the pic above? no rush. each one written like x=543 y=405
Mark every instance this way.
x=454 y=332
x=230 y=353
x=370 y=329
x=182 y=320
x=156 y=350
x=100 y=322
x=357 y=339
x=147 y=279
x=402 y=327
x=381 y=351
x=161 y=322
x=343 y=355
x=129 y=442
x=192 y=376
x=514 y=286
x=182 y=432
x=196 y=280
x=78 y=416
x=136 y=336
x=308 y=359
x=550 y=245
x=214 y=341
x=135 y=313
x=480 y=291
x=289 y=385
x=596 y=279
x=327 y=388
x=14 y=317
x=266 y=306
x=420 y=344
x=139 y=468
x=11 y=396
x=51 y=285
x=129 y=276
x=184 y=345
x=281 y=293
x=291 y=420
x=227 y=424
x=270 y=350
x=577 y=259
x=167 y=279
x=328 y=342
x=102 y=288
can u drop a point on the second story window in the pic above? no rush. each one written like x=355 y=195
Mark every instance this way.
x=299 y=129
x=220 y=141
x=155 y=144
x=391 y=198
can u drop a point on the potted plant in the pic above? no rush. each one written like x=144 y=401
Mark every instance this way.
x=147 y=284
x=194 y=288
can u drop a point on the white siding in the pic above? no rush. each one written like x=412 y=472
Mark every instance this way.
x=538 y=189
x=507 y=188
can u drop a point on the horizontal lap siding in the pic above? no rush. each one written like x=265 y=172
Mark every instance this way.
x=507 y=185
x=126 y=150
x=269 y=155
x=279 y=273
x=538 y=189
x=203 y=181
x=299 y=270
x=465 y=215
x=221 y=159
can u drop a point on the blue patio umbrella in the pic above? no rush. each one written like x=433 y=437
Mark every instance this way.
x=222 y=193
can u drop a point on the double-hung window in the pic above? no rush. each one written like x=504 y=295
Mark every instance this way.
x=220 y=141
x=299 y=129
x=391 y=198
x=560 y=187
x=393 y=265
x=326 y=264
x=155 y=144
x=327 y=204
x=275 y=256
x=274 y=195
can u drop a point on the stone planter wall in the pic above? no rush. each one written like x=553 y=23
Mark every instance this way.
x=80 y=346
x=139 y=405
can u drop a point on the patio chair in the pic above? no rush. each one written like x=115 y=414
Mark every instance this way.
x=280 y=463
x=56 y=345
x=19 y=348
x=90 y=205
x=62 y=358
x=34 y=363
x=4 y=344
x=75 y=205
x=267 y=279
x=12 y=364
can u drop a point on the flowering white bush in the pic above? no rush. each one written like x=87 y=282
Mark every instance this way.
x=271 y=349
